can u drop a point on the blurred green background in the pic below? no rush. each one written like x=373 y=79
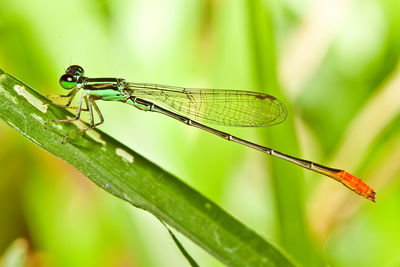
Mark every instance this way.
x=335 y=65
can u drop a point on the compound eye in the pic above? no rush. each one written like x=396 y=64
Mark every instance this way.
x=75 y=70
x=68 y=81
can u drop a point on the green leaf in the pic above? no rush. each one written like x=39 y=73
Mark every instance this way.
x=124 y=173
x=184 y=252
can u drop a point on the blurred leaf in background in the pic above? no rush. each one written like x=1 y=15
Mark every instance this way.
x=334 y=63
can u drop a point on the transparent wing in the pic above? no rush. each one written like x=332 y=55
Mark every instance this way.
x=215 y=106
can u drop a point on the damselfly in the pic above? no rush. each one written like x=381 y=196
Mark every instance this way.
x=191 y=106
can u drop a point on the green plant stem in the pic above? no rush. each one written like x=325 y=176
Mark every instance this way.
x=286 y=180
x=124 y=173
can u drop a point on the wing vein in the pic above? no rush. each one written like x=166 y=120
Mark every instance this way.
x=215 y=106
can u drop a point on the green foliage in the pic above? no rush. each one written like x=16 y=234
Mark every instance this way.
x=334 y=64
x=15 y=255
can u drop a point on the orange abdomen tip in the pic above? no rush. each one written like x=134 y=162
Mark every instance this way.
x=357 y=185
